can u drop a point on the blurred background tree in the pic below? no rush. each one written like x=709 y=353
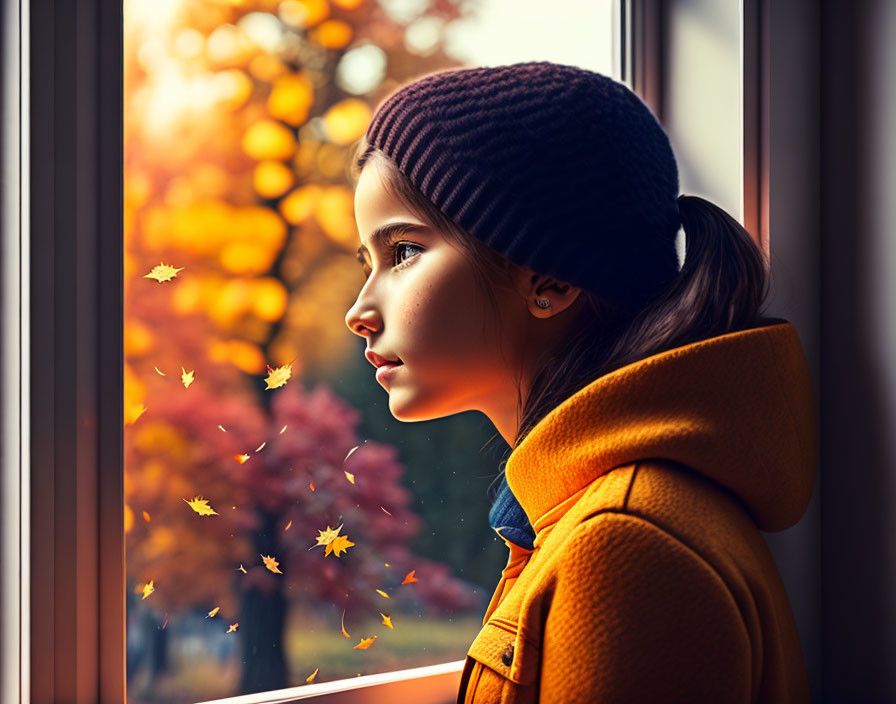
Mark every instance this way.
x=240 y=117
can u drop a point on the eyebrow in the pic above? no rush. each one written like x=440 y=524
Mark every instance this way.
x=384 y=232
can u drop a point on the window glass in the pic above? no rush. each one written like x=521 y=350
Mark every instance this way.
x=281 y=526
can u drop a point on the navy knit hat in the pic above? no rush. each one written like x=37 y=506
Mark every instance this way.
x=560 y=169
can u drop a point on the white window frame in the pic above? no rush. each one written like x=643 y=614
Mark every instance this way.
x=62 y=586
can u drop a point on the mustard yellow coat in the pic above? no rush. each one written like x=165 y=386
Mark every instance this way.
x=649 y=580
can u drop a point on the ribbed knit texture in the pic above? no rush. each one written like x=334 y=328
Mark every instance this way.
x=561 y=169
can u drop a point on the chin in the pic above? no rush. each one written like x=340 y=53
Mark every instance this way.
x=411 y=410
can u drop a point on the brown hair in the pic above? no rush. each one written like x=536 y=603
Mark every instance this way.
x=720 y=289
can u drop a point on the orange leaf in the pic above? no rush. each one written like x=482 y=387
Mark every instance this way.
x=387 y=620
x=364 y=644
x=288 y=525
x=344 y=632
x=146 y=517
x=380 y=591
x=278 y=377
x=241 y=458
x=211 y=614
x=271 y=564
x=200 y=506
x=310 y=678
x=312 y=486
x=340 y=544
x=409 y=578
x=163 y=272
x=148 y=589
x=233 y=627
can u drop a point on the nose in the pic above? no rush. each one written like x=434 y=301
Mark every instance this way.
x=362 y=321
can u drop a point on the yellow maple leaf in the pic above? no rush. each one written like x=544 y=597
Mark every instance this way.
x=211 y=614
x=163 y=272
x=349 y=476
x=344 y=632
x=364 y=644
x=380 y=591
x=200 y=506
x=233 y=627
x=241 y=569
x=310 y=678
x=278 y=377
x=409 y=578
x=387 y=620
x=271 y=564
x=186 y=377
x=340 y=544
x=148 y=589
x=328 y=536
x=241 y=458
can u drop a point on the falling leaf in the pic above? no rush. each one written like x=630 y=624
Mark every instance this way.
x=344 y=632
x=310 y=678
x=260 y=446
x=387 y=620
x=241 y=458
x=350 y=453
x=278 y=377
x=350 y=476
x=160 y=372
x=312 y=486
x=409 y=578
x=163 y=272
x=283 y=430
x=288 y=525
x=328 y=536
x=136 y=413
x=146 y=517
x=222 y=428
x=200 y=506
x=186 y=377
x=364 y=644
x=166 y=621
x=211 y=614
x=380 y=591
x=342 y=543
x=385 y=511
x=148 y=589
x=241 y=569
x=233 y=627
x=386 y=564
x=271 y=564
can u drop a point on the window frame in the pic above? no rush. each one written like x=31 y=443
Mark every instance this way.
x=62 y=591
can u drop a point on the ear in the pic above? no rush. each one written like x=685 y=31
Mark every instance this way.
x=533 y=287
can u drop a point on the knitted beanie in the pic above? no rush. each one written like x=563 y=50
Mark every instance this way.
x=560 y=169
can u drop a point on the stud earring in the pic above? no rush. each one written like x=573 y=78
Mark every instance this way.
x=542 y=302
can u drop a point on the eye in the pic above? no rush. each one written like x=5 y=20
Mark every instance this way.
x=400 y=247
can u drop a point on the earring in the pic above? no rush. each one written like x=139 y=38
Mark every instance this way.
x=542 y=302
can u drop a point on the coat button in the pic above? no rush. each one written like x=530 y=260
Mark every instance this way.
x=507 y=657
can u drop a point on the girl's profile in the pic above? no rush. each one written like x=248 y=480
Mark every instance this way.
x=517 y=231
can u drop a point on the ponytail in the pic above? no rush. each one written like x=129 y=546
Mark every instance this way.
x=719 y=289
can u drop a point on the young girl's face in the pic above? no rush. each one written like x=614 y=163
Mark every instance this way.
x=422 y=305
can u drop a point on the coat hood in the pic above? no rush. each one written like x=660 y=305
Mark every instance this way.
x=737 y=408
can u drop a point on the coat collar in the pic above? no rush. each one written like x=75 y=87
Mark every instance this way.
x=738 y=408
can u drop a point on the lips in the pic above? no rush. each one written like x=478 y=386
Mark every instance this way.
x=378 y=360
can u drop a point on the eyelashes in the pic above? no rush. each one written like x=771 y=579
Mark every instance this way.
x=394 y=249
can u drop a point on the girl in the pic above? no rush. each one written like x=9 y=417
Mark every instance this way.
x=518 y=229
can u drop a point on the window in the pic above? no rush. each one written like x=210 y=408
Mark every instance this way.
x=204 y=189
